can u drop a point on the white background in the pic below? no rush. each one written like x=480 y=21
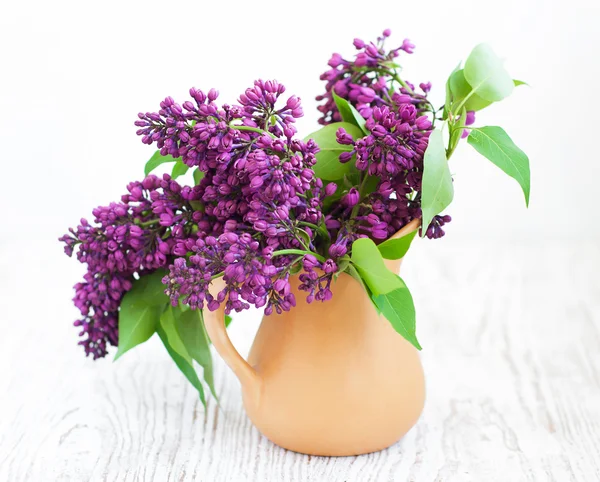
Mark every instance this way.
x=74 y=75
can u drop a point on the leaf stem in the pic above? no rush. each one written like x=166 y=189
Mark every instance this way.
x=463 y=102
x=360 y=194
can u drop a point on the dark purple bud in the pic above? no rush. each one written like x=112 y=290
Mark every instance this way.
x=361 y=60
x=282 y=213
x=423 y=123
x=343 y=137
x=351 y=199
x=337 y=250
x=261 y=225
x=330 y=189
x=329 y=266
x=293 y=102
x=335 y=60
x=425 y=86
x=470 y=118
x=358 y=43
x=373 y=219
x=379 y=131
x=346 y=156
x=372 y=50
x=256 y=182
x=331 y=223
x=309 y=262
x=230 y=238
x=307 y=174
x=407 y=46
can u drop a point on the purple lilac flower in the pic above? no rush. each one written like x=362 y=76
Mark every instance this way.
x=392 y=152
x=364 y=80
x=127 y=239
x=316 y=278
x=396 y=143
x=258 y=196
x=259 y=189
x=435 y=231
x=251 y=275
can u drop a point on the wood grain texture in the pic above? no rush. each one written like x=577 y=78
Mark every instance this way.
x=511 y=337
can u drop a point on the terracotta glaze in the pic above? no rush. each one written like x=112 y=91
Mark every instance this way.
x=328 y=378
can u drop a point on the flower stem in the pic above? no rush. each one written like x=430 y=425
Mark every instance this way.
x=251 y=129
x=360 y=194
x=283 y=252
x=145 y=223
x=320 y=229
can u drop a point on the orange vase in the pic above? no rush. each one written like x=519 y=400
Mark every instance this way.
x=328 y=378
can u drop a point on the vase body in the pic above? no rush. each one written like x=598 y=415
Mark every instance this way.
x=334 y=378
x=328 y=378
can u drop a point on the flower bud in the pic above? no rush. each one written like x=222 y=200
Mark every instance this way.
x=351 y=199
x=358 y=43
x=330 y=189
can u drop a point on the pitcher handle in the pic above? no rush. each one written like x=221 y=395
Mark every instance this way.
x=214 y=321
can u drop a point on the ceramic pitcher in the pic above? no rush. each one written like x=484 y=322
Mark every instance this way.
x=328 y=378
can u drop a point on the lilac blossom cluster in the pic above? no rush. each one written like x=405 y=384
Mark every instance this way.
x=365 y=80
x=153 y=223
x=259 y=189
x=398 y=124
x=259 y=215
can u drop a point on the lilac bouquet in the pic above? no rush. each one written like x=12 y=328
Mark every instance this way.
x=266 y=205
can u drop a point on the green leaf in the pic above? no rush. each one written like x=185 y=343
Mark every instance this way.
x=140 y=311
x=349 y=113
x=437 y=189
x=399 y=309
x=191 y=330
x=486 y=74
x=328 y=164
x=156 y=160
x=173 y=343
x=495 y=144
x=343 y=263
x=179 y=169
x=519 y=82
x=198 y=176
x=396 y=248
x=351 y=270
x=370 y=184
x=460 y=89
x=197 y=205
x=369 y=263
x=228 y=320
x=153 y=291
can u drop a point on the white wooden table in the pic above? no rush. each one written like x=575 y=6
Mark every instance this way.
x=511 y=337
